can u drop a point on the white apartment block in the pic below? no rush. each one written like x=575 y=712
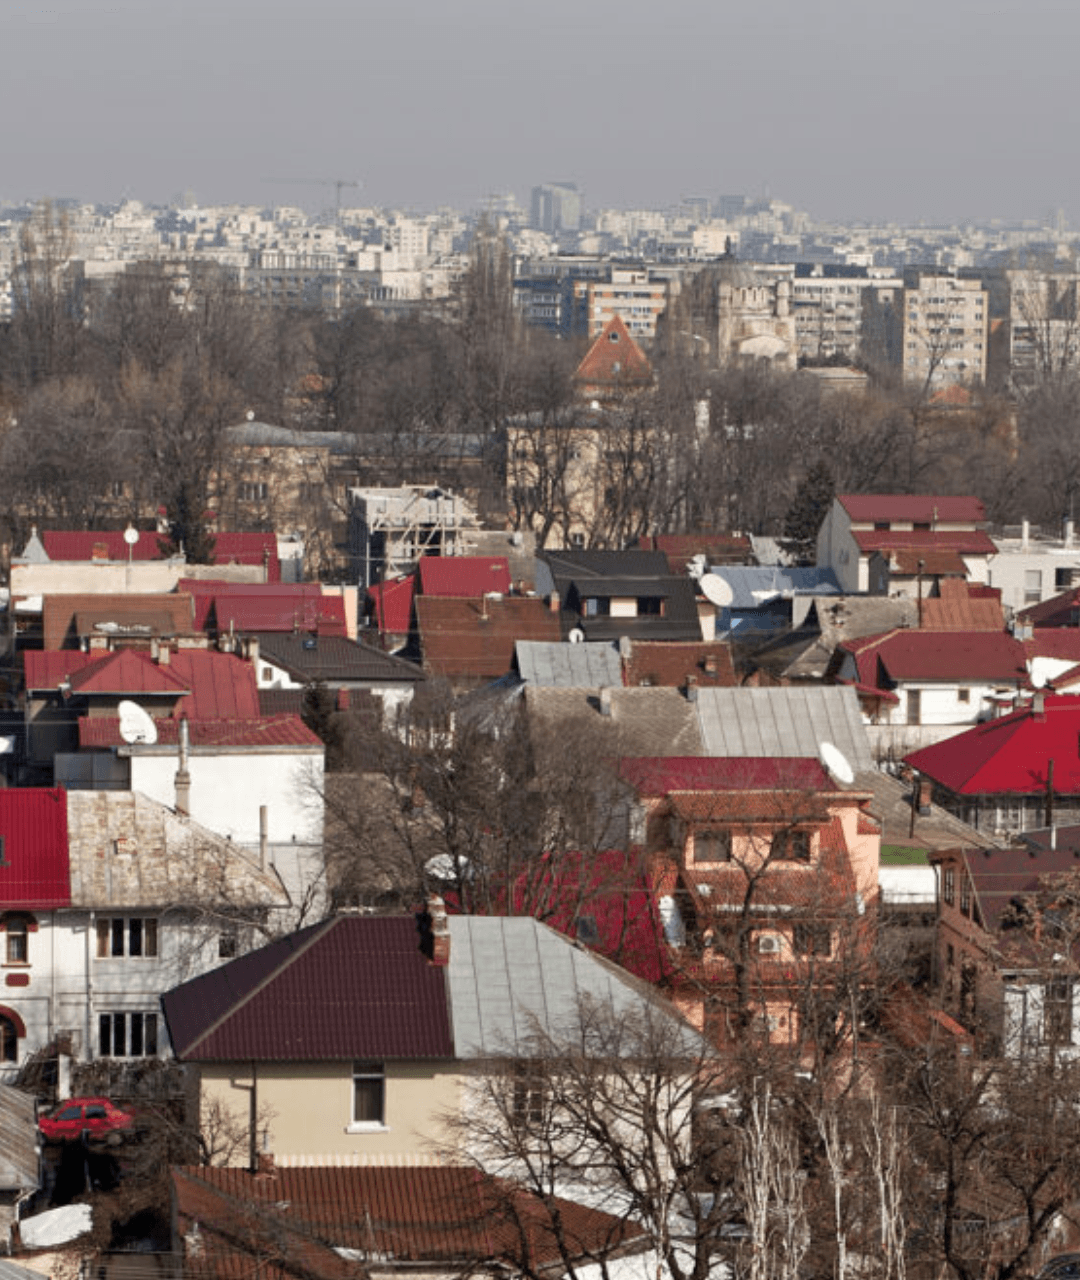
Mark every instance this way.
x=945 y=329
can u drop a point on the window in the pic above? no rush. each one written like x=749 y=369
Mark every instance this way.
x=713 y=845
x=369 y=1095
x=253 y=491
x=791 y=846
x=965 y=895
x=127 y=1035
x=9 y=1040
x=1032 y=586
x=963 y=695
x=18 y=940
x=528 y=1099
x=228 y=945
x=948 y=885
x=127 y=936
x=1058 y=1011
x=811 y=940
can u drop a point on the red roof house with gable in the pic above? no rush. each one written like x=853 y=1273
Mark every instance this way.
x=946 y=532
x=614 y=365
x=1009 y=774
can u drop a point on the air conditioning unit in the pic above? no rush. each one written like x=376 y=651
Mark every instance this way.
x=769 y=944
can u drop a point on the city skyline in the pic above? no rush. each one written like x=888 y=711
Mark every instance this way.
x=940 y=114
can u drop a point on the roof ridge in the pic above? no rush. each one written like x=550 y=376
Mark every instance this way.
x=318 y=932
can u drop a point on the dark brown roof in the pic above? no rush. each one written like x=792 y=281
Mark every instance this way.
x=335 y=659
x=417 y=1214
x=674 y=663
x=352 y=987
x=473 y=639
x=172 y=611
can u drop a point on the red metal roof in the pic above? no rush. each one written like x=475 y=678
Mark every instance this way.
x=263 y=731
x=393 y=603
x=1054 y=642
x=222 y=686
x=34 y=866
x=229 y=548
x=469 y=576
x=660 y=776
x=353 y=987
x=905 y=654
x=918 y=508
x=127 y=671
x=1011 y=754
x=210 y=595
x=1060 y=611
x=323 y=615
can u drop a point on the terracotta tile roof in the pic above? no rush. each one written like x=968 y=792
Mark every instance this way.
x=258 y=731
x=393 y=603
x=671 y=663
x=614 y=360
x=932 y=655
x=960 y=541
x=474 y=640
x=60 y=612
x=918 y=508
x=930 y=562
x=1010 y=754
x=471 y=576
x=657 y=776
x=957 y=608
x=427 y=1213
x=34 y=833
x=352 y=987
x=229 y=548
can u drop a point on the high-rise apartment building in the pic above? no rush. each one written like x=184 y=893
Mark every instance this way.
x=556 y=207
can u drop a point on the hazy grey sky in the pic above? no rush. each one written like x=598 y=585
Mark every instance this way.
x=848 y=108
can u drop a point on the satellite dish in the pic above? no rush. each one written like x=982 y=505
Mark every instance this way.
x=445 y=868
x=576 y=636
x=131 y=535
x=716 y=590
x=836 y=763
x=1040 y=679
x=136 y=726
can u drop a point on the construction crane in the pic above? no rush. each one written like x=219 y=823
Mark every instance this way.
x=339 y=184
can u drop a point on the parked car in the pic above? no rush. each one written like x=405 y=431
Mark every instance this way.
x=96 y=1117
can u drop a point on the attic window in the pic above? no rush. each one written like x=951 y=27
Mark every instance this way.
x=613 y=337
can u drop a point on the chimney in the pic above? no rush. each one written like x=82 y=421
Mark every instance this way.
x=553 y=602
x=183 y=777
x=1025 y=534
x=439 y=930
x=1070 y=532
x=605 y=702
x=925 y=791
x=691 y=689
x=253 y=652
x=163 y=656
x=263 y=837
x=1038 y=704
x=99 y=551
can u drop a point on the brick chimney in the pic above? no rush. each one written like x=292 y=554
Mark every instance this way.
x=99 y=551
x=439 y=931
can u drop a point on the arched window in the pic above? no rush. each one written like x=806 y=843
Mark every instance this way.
x=12 y=1030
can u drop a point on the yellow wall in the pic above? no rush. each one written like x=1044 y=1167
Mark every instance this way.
x=309 y=1107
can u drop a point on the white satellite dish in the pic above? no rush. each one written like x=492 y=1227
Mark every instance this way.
x=131 y=535
x=1040 y=679
x=136 y=726
x=697 y=566
x=836 y=762
x=445 y=868
x=576 y=636
x=716 y=590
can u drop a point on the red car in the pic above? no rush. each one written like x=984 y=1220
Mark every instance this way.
x=93 y=1116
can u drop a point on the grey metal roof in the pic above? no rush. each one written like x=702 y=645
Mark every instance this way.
x=754 y=587
x=511 y=979
x=580 y=666
x=790 y=721
x=19 y=1157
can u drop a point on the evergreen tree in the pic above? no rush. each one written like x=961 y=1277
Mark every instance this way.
x=808 y=509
